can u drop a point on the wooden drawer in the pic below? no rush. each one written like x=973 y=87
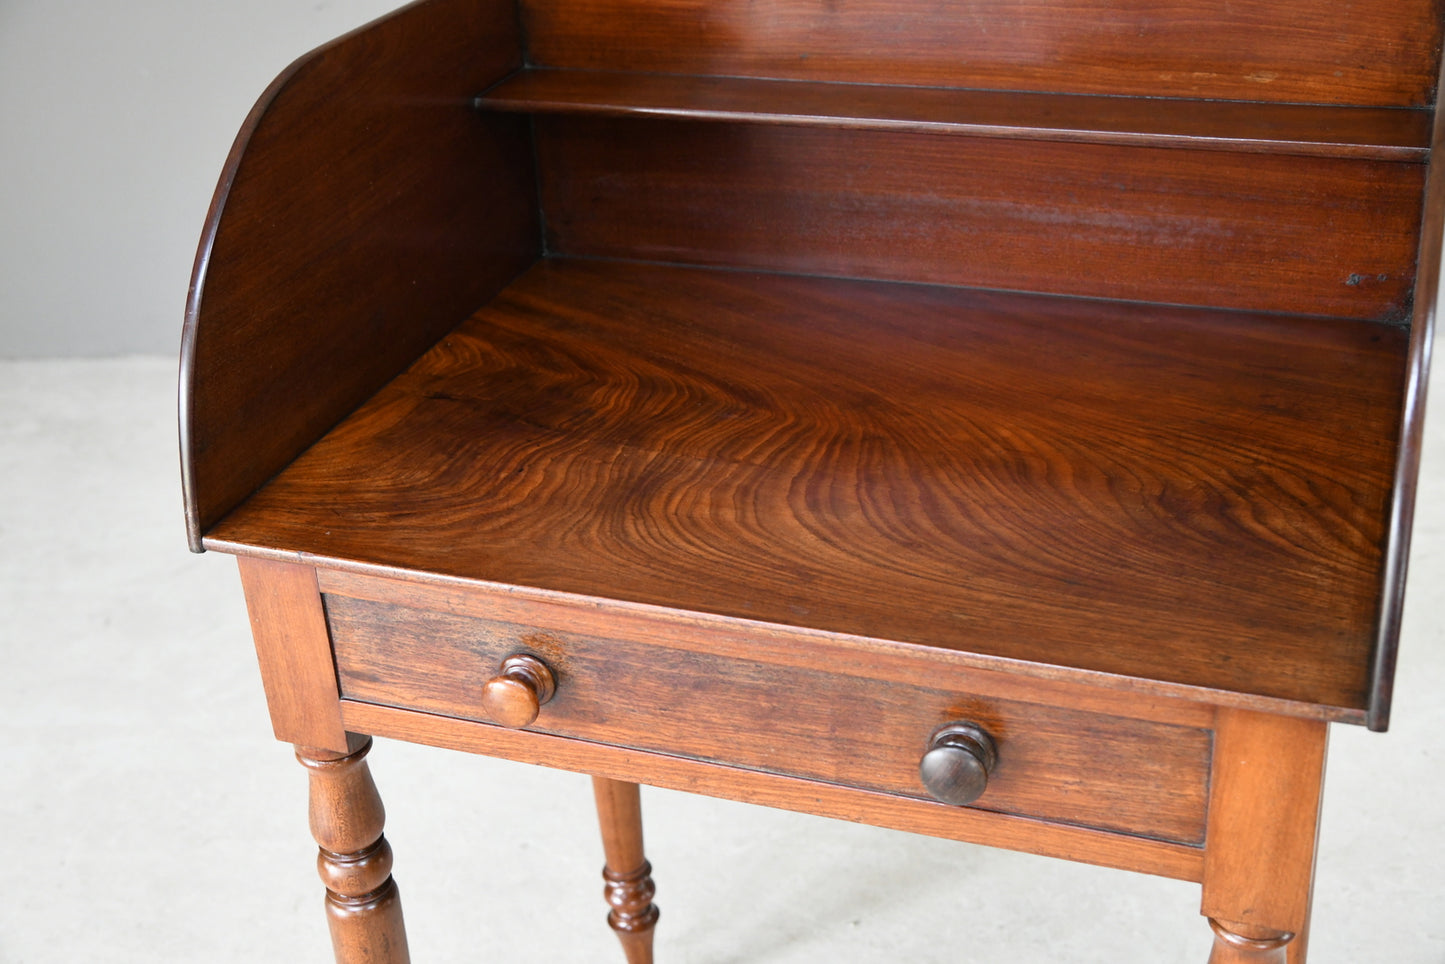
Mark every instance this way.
x=1057 y=763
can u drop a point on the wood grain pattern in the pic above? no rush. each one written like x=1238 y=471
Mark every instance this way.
x=770 y=531
x=1123 y=851
x=363 y=905
x=1055 y=763
x=1412 y=435
x=1303 y=129
x=1264 y=809
x=364 y=211
x=518 y=692
x=1188 y=497
x=1306 y=235
x=629 y=888
x=1374 y=52
x=836 y=654
x=293 y=646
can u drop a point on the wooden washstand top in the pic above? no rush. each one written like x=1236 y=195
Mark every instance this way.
x=1024 y=477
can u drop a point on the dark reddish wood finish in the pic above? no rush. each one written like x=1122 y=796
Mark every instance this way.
x=1412 y=436
x=293 y=647
x=869 y=659
x=629 y=889
x=518 y=692
x=364 y=211
x=1123 y=851
x=1301 y=129
x=1374 y=52
x=770 y=533
x=960 y=758
x=929 y=465
x=363 y=906
x=1257 y=232
x=1128 y=775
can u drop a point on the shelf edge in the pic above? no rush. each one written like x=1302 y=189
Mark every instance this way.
x=972 y=113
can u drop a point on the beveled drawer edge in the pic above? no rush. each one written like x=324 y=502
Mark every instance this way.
x=813 y=649
x=1029 y=835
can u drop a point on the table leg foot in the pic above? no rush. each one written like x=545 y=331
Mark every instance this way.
x=362 y=905
x=629 y=886
x=1242 y=944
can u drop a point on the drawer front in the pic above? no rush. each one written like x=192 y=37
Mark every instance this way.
x=1054 y=763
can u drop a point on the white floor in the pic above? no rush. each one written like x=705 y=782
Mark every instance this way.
x=146 y=814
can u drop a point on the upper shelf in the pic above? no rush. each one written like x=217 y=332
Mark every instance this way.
x=1320 y=131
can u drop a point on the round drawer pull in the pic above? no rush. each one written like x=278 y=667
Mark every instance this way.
x=959 y=760
x=515 y=696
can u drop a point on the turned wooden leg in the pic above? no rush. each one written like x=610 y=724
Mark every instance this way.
x=629 y=886
x=362 y=905
x=1236 y=943
x=1259 y=850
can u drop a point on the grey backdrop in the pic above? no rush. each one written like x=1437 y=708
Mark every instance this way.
x=115 y=119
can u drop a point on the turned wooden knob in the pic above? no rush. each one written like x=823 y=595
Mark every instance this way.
x=515 y=696
x=959 y=759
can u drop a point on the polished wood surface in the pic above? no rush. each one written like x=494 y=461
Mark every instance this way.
x=1301 y=129
x=1373 y=52
x=1264 y=807
x=1240 y=944
x=1412 y=419
x=844 y=408
x=363 y=907
x=1310 y=235
x=518 y=692
x=958 y=762
x=293 y=647
x=1043 y=837
x=364 y=211
x=1126 y=775
x=935 y=466
x=627 y=874
x=559 y=614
